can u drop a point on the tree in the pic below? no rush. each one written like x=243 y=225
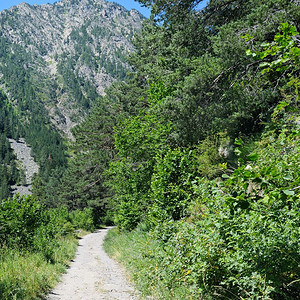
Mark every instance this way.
x=82 y=184
x=138 y=139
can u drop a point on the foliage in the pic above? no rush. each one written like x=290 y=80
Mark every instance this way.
x=171 y=188
x=82 y=185
x=216 y=86
x=285 y=50
x=279 y=60
x=36 y=245
x=234 y=236
x=241 y=239
x=27 y=225
x=82 y=219
x=26 y=275
x=138 y=139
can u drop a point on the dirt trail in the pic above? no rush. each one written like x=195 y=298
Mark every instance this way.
x=93 y=275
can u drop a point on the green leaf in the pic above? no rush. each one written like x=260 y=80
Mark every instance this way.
x=253 y=156
x=238 y=142
x=237 y=152
x=247 y=37
x=265 y=44
x=264 y=64
x=288 y=177
x=265 y=71
x=289 y=192
x=249 y=52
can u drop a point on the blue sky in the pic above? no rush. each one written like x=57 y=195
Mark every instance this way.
x=129 y=4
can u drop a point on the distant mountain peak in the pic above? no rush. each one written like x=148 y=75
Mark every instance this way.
x=69 y=52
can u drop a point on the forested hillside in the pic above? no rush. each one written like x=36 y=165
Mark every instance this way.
x=196 y=154
x=9 y=173
x=55 y=61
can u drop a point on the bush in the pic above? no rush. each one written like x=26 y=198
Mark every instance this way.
x=82 y=219
x=33 y=250
x=171 y=188
x=236 y=237
x=241 y=239
x=25 y=224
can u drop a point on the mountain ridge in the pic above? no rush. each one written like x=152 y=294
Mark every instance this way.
x=90 y=38
x=56 y=60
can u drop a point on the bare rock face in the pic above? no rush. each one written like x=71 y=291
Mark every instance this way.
x=69 y=52
x=26 y=163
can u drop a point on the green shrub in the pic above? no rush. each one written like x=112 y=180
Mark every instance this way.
x=36 y=245
x=242 y=237
x=82 y=219
x=238 y=236
x=171 y=188
x=25 y=224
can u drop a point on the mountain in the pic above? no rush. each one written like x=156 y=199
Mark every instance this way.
x=65 y=54
x=55 y=61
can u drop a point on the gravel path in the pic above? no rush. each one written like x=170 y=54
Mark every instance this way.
x=93 y=275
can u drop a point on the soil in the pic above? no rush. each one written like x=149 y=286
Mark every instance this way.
x=93 y=275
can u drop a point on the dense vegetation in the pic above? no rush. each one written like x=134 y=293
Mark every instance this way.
x=197 y=152
x=9 y=173
x=195 y=156
x=36 y=245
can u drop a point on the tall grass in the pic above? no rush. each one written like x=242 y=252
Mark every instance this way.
x=27 y=275
x=139 y=253
x=36 y=244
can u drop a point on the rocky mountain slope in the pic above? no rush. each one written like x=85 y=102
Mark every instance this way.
x=55 y=61
x=26 y=164
x=63 y=55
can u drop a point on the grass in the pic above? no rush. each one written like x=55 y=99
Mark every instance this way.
x=140 y=255
x=25 y=275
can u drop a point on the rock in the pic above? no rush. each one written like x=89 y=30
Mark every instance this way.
x=69 y=43
x=26 y=163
